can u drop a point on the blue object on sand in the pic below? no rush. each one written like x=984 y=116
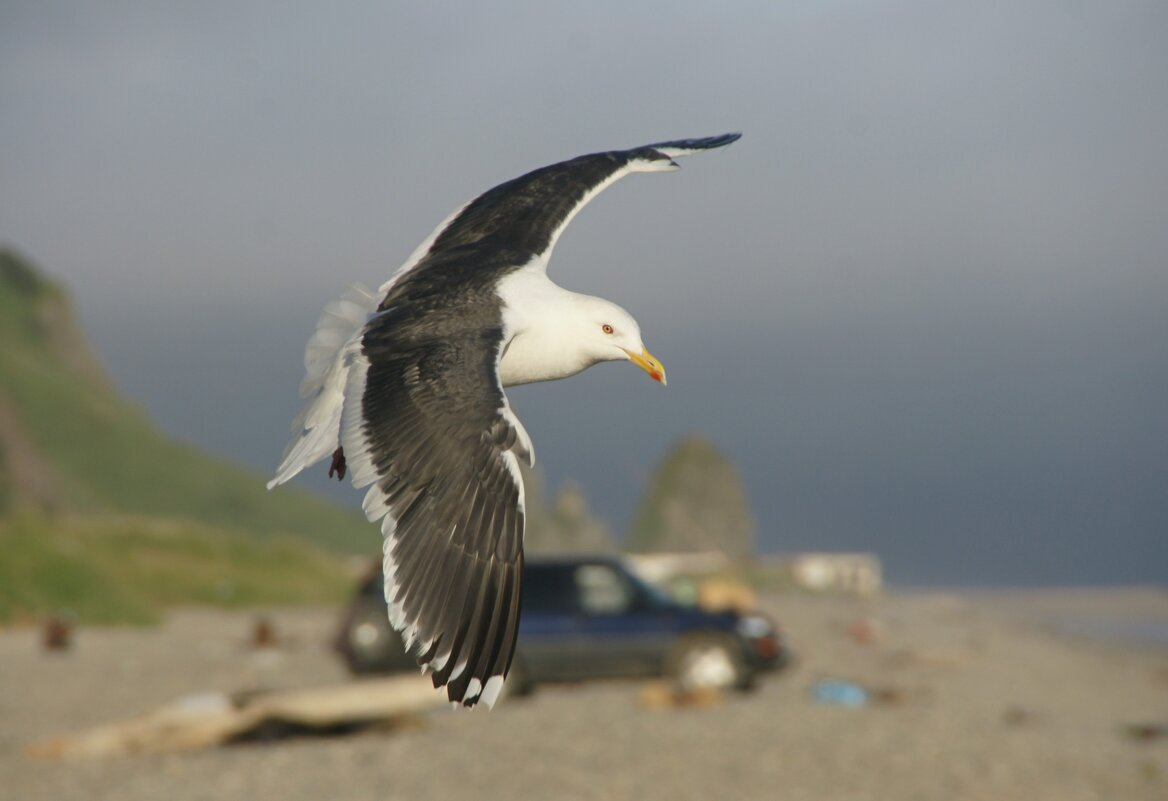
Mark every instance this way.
x=840 y=693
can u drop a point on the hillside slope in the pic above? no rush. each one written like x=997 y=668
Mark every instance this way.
x=695 y=502
x=69 y=444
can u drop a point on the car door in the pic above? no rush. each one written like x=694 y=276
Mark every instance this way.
x=551 y=645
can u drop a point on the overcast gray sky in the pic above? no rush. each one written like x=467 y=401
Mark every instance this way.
x=922 y=304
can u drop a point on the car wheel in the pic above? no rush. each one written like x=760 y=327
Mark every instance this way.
x=709 y=662
x=371 y=645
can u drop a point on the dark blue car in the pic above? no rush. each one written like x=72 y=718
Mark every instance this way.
x=590 y=617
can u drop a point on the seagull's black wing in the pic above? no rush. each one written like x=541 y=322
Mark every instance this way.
x=526 y=215
x=427 y=424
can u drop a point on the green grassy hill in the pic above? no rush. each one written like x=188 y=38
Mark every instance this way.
x=111 y=569
x=70 y=447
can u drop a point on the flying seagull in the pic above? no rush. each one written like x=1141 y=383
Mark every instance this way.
x=404 y=389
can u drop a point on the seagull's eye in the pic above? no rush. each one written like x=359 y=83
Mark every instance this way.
x=606 y=328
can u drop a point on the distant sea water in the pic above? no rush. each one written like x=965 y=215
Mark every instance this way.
x=1138 y=631
x=1135 y=616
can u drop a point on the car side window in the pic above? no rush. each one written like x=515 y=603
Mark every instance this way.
x=603 y=591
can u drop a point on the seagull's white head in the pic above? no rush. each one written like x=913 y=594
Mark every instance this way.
x=606 y=332
x=557 y=333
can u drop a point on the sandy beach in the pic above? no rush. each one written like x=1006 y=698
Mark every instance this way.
x=972 y=696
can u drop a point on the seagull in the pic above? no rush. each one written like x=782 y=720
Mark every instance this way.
x=404 y=390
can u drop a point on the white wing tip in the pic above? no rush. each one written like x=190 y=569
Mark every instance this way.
x=479 y=693
x=491 y=690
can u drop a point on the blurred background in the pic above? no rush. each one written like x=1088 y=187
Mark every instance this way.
x=915 y=324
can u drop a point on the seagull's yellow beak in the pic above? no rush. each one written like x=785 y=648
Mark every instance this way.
x=649 y=363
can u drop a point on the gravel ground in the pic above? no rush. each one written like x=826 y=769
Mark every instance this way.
x=981 y=699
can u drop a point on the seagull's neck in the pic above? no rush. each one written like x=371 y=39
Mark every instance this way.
x=539 y=320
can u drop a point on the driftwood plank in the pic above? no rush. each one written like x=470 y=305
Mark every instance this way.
x=201 y=721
